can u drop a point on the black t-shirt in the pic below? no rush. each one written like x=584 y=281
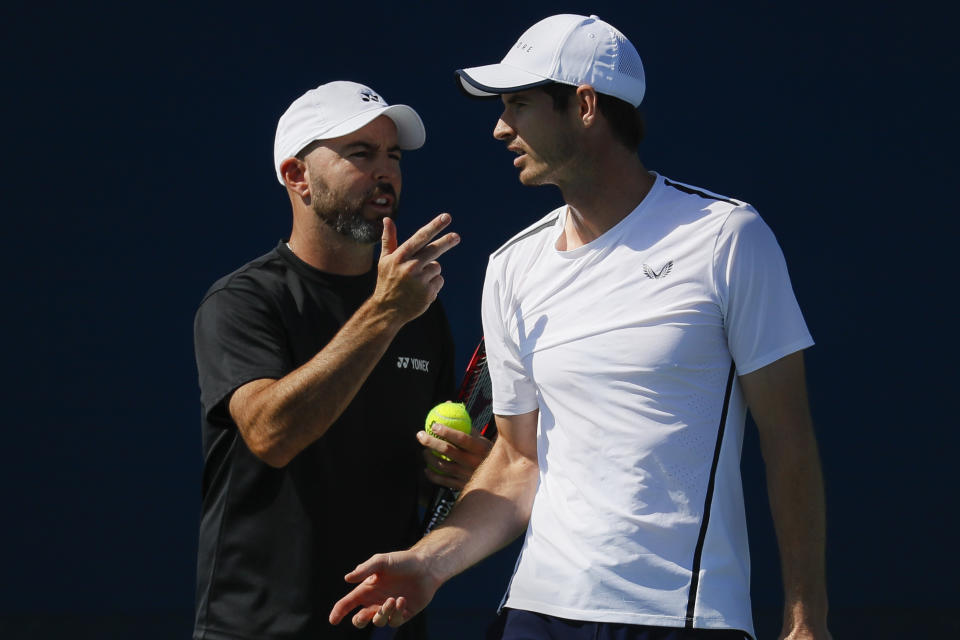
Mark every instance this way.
x=276 y=543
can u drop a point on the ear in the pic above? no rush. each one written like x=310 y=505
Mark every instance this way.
x=294 y=172
x=587 y=105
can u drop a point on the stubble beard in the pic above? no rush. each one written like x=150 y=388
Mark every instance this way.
x=344 y=214
x=552 y=162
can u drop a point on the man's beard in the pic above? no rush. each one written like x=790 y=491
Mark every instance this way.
x=344 y=214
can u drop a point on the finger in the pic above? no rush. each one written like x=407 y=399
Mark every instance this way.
x=431 y=270
x=462 y=469
x=438 y=247
x=382 y=616
x=475 y=445
x=388 y=239
x=359 y=596
x=400 y=613
x=424 y=234
x=448 y=458
x=444 y=480
x=434 y=286
x=454 y=436
x=433 y=443
x=445 y=467
x=365 y=570
x=363 y=617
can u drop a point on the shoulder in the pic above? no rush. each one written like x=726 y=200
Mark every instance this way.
x=725 y=217
x=258 y=276
x=254 y=290
x=690 y=195
x=536 y=234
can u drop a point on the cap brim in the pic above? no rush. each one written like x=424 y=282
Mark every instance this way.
x=495 y=79
x=410 y=130
x=411 y=133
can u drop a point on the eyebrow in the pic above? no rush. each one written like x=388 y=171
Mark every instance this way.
x=369 y=146
x=510 y=98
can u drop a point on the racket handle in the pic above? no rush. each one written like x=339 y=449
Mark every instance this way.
x=439 y=509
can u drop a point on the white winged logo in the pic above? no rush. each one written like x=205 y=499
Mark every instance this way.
x=653 y=274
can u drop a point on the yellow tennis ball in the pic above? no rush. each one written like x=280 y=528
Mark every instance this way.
x=449 y=414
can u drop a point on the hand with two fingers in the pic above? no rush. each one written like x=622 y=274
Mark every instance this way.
x=408 y=275
x=461 y=454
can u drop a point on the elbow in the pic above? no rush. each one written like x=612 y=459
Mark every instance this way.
x=272 y=456
x=269 y=450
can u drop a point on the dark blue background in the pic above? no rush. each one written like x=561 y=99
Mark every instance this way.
x=138 y=169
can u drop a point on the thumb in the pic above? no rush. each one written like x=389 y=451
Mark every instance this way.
x=388 y=240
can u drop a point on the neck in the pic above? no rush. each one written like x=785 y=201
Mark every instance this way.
x=314 y=242
x=606 y=189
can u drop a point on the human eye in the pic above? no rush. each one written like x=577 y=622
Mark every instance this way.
x=516 y=105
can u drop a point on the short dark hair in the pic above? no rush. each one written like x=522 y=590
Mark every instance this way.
x=625 y=121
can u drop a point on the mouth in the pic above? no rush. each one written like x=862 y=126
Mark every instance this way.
x=521 y=154
x=381 y=206
x=382 y=200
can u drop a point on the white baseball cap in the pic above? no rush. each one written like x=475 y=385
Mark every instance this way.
x=335 y=109
x=569 y=49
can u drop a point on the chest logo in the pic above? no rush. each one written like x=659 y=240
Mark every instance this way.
x=657 y=274
x=413 y=363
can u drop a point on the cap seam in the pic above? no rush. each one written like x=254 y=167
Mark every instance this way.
x=563 y=43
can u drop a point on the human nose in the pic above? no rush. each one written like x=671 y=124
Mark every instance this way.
x=503 y=131
x=388 y=168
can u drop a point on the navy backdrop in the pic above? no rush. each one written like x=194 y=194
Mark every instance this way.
x=138 y=169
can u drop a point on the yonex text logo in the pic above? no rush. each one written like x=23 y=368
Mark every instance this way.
x=523 y=46
x=657 y=274
x=413 y=363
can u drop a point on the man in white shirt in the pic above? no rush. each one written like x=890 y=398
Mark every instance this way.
x=627 y=334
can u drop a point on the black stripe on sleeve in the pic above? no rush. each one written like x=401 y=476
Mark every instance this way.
x=546 y=225
x=697 y=192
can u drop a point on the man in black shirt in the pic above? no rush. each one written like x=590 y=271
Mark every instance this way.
x=317 y=368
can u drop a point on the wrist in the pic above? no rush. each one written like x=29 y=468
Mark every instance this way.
x=379 y=315
x=436 y=553
x=806 y=618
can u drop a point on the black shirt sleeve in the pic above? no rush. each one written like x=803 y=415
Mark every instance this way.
x=238 y=337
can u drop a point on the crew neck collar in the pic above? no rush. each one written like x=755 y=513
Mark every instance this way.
x=311 y=272
x=611 y=235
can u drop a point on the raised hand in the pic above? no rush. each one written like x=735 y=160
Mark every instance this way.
x=408 y=276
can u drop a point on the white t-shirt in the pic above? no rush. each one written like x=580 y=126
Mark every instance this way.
x=624 y=345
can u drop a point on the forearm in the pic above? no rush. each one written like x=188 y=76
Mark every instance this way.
x=283 y=417
x=492 y=511
x=777 y=396
x=795 y=487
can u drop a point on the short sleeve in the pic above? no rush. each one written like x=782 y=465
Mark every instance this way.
x=762 y=318
x=514 y=392
x=238 y=337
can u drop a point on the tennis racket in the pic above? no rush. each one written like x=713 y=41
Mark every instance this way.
x=475 y=393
